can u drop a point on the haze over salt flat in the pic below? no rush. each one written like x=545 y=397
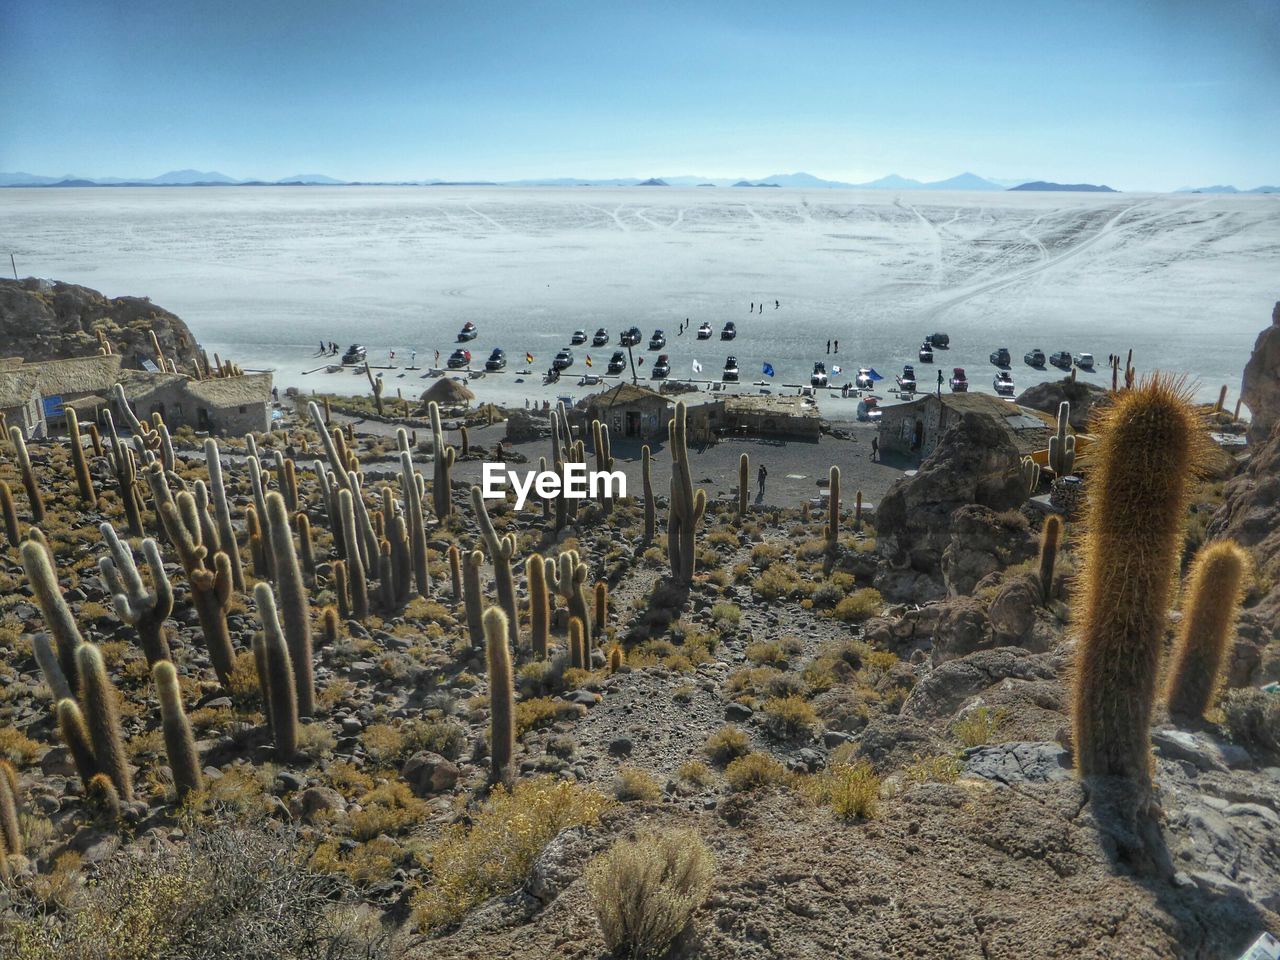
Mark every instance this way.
x=263 y=274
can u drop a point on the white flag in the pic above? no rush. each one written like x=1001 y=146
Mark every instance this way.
x=697 y=367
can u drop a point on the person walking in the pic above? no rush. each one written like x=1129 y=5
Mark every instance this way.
x=777 y=304
x=837 y=350
x=828 y=346
x=939 y=383
x=875 y=448
x=761 y=475
x=752 y=307
x=413 y=359
x=437 y=358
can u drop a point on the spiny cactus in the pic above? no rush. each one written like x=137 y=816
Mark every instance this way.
x=336 y=460
x=79 y=463
x=34 y=499
x=222 y=513
x=50 y=669
x=145 y=611
x=306 y=547
x=1062 y=448
x=100 y=702
x=180 y=745
x=539 y=605
x=294 y=603
x=287 y=477
x=650 y=507
x=443 y=459
x=416 y=522
x=604 y=460
x=386 y=577
x=12 y=530
x=501 y=550
x=208 y=528
x=258 y=488
x=744 y=475
x=357 y=581
x=615 y=659
x=1149 y=445
x=282 y=701
x=1214 y=587
x=364 y=523
x=857 y=511
x=101 y=795
x=330 y=625
x=10 y=835
x=502 y=698
x=568 y=577
x=455 y=572
x=1030 y=475
x=210 y=588
x=342 y=589
x=464 y=438
x=832 y=530
x=376 y=385
x=579 y=657
x=601 y=607
x=687 y=506
x=1050 y=537
x=126 y=470
x=53 y=606
x=474 y=595
x=75 y=735
x=256 y=540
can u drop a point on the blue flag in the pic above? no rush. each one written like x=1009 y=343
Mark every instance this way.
x=768 y=369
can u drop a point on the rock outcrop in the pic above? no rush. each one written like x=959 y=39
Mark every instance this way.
x=975 y=462
x=43 y=320
x=1083 y=397
x=1260 y=388
x=982 y=542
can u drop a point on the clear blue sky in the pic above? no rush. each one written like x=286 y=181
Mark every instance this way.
x=1156 y=94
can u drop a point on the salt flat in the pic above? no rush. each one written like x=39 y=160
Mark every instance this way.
x=263 y=274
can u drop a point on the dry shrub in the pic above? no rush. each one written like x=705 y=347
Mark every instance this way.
x=852 y=790
x=645 y=890
x=727 y=743
x=756 y=770
x=632 y=783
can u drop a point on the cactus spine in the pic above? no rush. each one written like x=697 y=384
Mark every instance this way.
x=282 y=702
x=501 y=550
x=1213 y=600
x=650 y=508
x=180 y=745
x=222 y=514
x=98 y=698
x=471 y=564
x=502 y=707
x=744 y=474
x=1050 y=538
x=539 y=605
x=293 y=603
x=1062 y=448
x=442 y=460
x=356 y=579
x=79 y=463
x=28 y=475
x=53 y=606
x=1149 y=444
x=145 y=611
x=687 y=507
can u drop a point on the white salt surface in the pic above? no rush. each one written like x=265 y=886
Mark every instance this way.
x=262 y=274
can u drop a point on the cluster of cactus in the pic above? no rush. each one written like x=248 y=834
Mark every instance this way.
x=501 y=550
x=23 y=458
x=39 y=570
x=687 y=506
x=411 y=493
x=568 y=578
x=1030 y=475
x=357 y=580
x=1149 y=445
x=604 y=460
x=443 y=458
x=276 y=676
x=1062 y=447
x=145 y=611
x=294 y=602
x=564 y=450
x=125 y=467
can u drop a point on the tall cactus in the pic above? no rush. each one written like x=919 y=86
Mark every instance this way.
x=579 y=657
x=832 y=529
x=1050 y=538
x=568 y=577
x=1030 y=475
x=126 y=470
x=376 y=385
x=604 y=460
x=222 y=513
x=80 y=463
x=282 y=701
x=601 y=607
x=1062 y=448
x=650 y=507
x=502 y=711
x=75 y=736
x=210 y=588
x=100 y=702
x=687 y=506
x=293 y=603
x=455 y=572
x=50 y=669
x=12 y=530
x=744 y=474
x=474 y=595
x=416 y=521
x=442 y=460
x=20 y=453
x=1149 y=445
x=179 y=744
x=1213 y=600
x=342 y=589
x=501 y=550
x=357 y=580
x=53 y=607
x=336 y=460
x=539 y=605
x=306 y=546
x=145 y=611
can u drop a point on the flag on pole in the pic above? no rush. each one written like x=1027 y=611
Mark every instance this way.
x=697 y=367
x=528 y=358
x=588 y=359
x=768 y=369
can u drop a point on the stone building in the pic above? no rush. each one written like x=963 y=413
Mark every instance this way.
x=83 y=383
x=630 y=411
x=771 y=416
x=913 y=429
x=223 y=405
x=20 y=401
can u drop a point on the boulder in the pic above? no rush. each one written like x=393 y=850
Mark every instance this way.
x=962 y=627
x=1013 y=610
x=429 y=773
x=945 y=688
x=1260 y=389
x=975 y=462
x=1021 y=762
x=982 y=542
x=1084 y=398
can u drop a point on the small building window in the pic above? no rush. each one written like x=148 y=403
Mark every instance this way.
x=242 y=409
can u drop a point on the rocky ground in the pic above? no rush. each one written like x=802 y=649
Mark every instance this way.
x=870 y=739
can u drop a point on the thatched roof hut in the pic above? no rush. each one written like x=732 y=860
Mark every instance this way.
x=448 y=393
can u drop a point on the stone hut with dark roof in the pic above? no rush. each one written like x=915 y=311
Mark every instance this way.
x=630 y=411
x=20 y=402
x=914 y=428
x=228 y=406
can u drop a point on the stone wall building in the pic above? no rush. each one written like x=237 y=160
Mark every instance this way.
x=630 y=411
x=770 y=416
x=20 y=402
x=83 y=383
x=224 y=405
x=913 y=429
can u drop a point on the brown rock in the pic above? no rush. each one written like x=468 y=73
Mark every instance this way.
x=429 y=773
x=1013 y=611
x=1260 y=388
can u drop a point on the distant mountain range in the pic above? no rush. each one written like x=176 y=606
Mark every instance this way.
x=964 y=181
